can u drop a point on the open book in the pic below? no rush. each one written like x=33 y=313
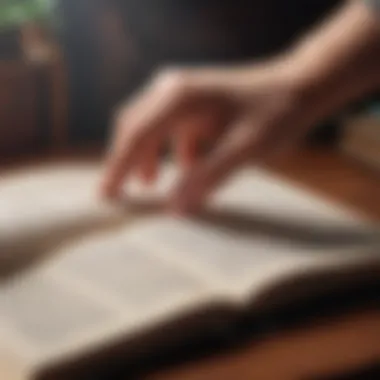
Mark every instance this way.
x=83 y=283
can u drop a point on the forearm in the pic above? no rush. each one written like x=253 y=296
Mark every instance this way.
x=341 y=62
x=334 y=65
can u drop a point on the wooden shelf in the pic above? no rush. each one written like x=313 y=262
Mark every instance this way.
x=18 y=107
x=33 y=97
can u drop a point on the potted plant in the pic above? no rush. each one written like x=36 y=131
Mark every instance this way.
x=18 y=20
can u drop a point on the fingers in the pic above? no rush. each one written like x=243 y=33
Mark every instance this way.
x=149 y=161
x=210 y=172
x=186 y=144
x=243 y=142
x=140 y=131
x=192 y=132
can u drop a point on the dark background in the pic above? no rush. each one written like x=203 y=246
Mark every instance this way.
x=171 y=32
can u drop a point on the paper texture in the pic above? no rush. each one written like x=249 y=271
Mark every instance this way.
x=74 y=271
x=45 y=312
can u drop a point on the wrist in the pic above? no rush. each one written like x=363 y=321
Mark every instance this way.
x=325 y=90
x=340 y=63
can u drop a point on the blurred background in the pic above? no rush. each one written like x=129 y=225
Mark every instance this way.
x=66 y=64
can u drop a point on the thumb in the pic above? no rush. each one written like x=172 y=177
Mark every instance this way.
x=248 y=140
x=231 y=152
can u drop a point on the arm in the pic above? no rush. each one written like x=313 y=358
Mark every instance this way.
x=337 y=63
x=252 y=110
x=341 y=61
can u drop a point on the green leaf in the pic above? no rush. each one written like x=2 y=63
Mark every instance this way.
x=15 y=12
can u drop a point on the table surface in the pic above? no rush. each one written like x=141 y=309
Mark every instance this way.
x=323 y=171
x=329 y=346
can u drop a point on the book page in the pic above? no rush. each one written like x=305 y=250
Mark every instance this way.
x=69 y=274
x=49 y=206
x=261 y=229
x=94 y=290
x=46 y=208
x=132 y=271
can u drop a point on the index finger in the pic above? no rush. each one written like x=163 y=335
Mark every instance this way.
x=144 y=121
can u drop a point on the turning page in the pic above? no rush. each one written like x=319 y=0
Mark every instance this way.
x=97 y=273
x=45 y=208
x=261 y=229
x=71 y=277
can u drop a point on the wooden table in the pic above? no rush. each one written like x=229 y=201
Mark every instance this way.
x=331 y=346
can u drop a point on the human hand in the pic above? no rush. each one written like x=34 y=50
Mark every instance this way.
x=250 y=112
x=244 y=113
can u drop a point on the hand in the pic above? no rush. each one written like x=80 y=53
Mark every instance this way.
x=248 y=112
x=242 y=113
